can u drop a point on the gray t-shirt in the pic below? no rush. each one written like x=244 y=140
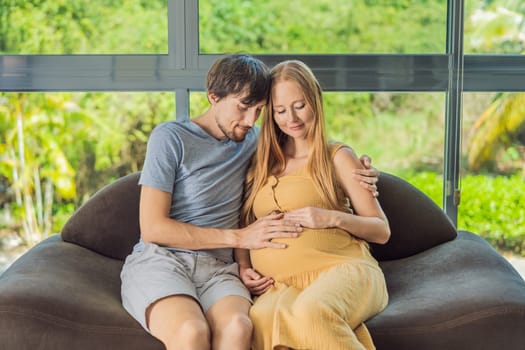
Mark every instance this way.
x=204 y=175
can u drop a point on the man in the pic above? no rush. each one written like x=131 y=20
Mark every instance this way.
x=181 y=282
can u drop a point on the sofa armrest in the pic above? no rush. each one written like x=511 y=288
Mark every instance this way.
x=461 y=294
x=60 y=295
x=108 y=223
x=416 y=222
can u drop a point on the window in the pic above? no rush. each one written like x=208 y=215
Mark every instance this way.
x=83 y=27
x=394 y=69
x=67 y=145
x=398 y=131
x=495 y=27
x=492 y=170
x=324 y=26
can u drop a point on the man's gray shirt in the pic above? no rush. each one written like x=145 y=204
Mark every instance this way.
x=204 y=175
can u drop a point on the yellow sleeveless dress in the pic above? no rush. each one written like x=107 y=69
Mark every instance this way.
x=326 y=281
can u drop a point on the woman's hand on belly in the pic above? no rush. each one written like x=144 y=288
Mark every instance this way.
x=312 y=217
x=255 y=282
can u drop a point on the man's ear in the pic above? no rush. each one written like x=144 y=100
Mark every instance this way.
x=212 y=98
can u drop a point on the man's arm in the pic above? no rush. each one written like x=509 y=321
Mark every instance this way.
x=156 y=226
x=369 y=176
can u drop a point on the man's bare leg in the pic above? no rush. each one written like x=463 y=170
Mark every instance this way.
x=230 y=324
x=179 y=323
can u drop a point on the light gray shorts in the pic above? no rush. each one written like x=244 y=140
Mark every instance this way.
x=156 y=272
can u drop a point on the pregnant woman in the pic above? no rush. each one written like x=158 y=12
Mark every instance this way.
x=318 y=292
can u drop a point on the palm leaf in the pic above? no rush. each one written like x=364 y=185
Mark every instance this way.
x=497 y=127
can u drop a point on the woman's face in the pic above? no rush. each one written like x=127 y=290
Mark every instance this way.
x=291 y=112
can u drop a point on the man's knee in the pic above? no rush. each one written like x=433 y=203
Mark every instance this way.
x=192 y=334
x=230 y=324
x=241 y=323
x=237 y=326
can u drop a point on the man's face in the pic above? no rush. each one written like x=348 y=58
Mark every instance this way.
x=235 y=118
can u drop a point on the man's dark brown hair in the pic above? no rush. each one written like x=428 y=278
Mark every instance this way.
x=239 y=73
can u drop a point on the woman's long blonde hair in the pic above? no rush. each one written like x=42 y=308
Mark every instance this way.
x=269 y=157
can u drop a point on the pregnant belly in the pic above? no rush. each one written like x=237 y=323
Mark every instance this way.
x=312 y=250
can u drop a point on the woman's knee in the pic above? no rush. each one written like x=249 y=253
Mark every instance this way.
x=309 y=310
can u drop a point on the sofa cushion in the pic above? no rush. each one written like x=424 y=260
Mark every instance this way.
x=416 y=222
x=108 y=223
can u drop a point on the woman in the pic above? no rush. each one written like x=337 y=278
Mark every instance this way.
x=318 y=292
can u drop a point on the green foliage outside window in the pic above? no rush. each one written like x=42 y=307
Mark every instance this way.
x=57 y=149
x=491 y=206
x=83 y=26
x=323 y=26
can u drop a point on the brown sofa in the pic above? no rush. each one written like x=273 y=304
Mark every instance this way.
x=448 y=289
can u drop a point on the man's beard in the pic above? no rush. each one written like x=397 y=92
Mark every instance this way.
x=230 y=134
